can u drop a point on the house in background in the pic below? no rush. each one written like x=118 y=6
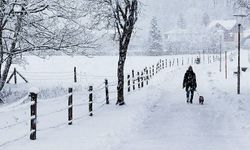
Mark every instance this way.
x=218 y=34
x=183 y=40
x=176 y=34
x=229 y=29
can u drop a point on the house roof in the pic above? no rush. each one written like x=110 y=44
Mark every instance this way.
x=227 y=24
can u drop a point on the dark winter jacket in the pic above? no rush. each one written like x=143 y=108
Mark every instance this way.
x=190 y=80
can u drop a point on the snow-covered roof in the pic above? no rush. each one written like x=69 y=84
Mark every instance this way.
x=227 y=24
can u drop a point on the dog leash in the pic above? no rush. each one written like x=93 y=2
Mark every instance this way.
x=198 y=93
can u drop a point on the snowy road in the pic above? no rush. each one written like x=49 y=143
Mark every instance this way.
x=155 y=117
x=175 y=125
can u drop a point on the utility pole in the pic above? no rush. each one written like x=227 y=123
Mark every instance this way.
x=238 y=79
x=241 y=15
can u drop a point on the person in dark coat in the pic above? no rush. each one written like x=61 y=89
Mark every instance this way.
x=189 y=82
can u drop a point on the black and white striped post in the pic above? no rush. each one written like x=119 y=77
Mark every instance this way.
x=153 y=70
x=33 y=112
x=156 y=69
x=138 y=80
x=75 y=78
x=70 y=106
x=133 y=79
x=129 y=85
x=142 y=79
x=160 y=64
x=163 y=66
x=107 y=91
x=147 y=77
x=90 y=100
x=150 y=72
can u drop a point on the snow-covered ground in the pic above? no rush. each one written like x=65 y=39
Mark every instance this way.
x=155 y=117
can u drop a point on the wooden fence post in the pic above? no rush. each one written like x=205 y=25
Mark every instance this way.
x=203 y=53
x=75 y=79
x=170 y=64
x=142 y=79
x=163 y=67
x=160 y=67
x=107 y=91
x=150 y=72
x=14 y=74
x=138 y=80
x=182 y=61
x=70 y=106
x=33 y=112
x=133 y=79
x=8 y=81
x=156 y=69
x=220 y=62
x=153 y=70
x=128 y=77
x=166 y=63
x=147 y=77
x=15 y=78
x=90 y=100
x=226 y=64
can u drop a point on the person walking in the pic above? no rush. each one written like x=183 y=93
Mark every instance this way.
x=189 y=82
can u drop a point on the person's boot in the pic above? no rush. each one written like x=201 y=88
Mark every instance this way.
x=191 y=101
x=187 y=100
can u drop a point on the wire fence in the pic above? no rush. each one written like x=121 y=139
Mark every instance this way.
x=52 y=113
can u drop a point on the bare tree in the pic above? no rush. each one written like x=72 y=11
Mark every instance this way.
x=126 y=14
x=34 y=26
x=122 y=15
x=242 y=3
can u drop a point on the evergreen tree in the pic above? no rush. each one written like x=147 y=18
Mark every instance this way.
x=155 y=39
x=205 y=20
x=181 y=23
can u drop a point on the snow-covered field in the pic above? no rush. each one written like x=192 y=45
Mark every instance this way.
x=155 y=117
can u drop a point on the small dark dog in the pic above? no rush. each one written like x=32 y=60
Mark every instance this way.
x=201 y=100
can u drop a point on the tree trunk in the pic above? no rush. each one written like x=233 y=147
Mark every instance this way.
x=5 y=72
x=120 y=75
x=1 y=37
x=124 y=42
x=1 y=48
x=8 y=62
